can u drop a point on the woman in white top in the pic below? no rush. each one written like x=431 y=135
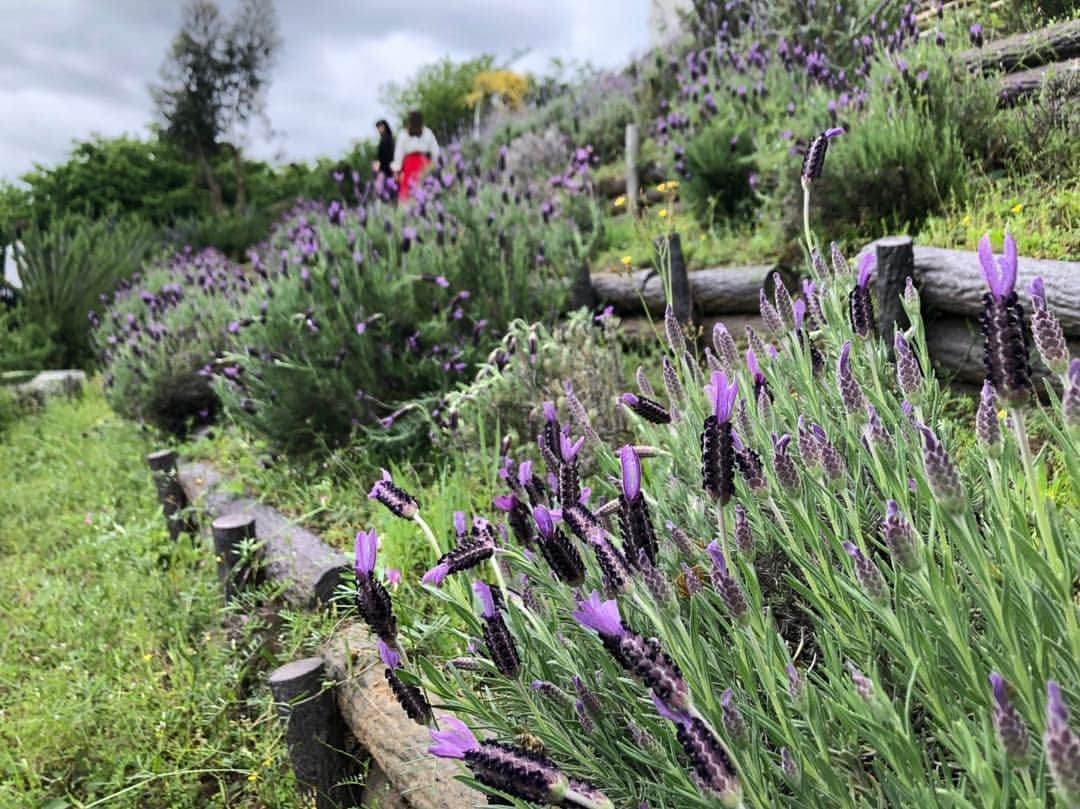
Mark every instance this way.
x=414 y=151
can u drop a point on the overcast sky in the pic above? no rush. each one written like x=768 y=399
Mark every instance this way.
x=69 y=68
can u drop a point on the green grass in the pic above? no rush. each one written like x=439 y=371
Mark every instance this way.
x=122 y=681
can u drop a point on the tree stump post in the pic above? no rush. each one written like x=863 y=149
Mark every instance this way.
x=170 y=493
x=632 y=183
x=669 y=254
x=229 y=531
x=895 y=264
x=315 y=732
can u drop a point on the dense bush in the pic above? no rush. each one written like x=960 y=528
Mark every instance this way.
x=439 y=91
x=721 y=172
x=66 y=268
x=161 y=336
x=816 y=592
x=379 y=304
x=581 y=360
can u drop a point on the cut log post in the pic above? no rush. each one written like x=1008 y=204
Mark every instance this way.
x=308 y=569
x=951 y=281
x=895 y=264
x=715 y=291
x=170 y=493
x=395 y=743
x=1053 y=43
x=315 y=733
x=632 y=169
x=670 y=256
x=230 y=531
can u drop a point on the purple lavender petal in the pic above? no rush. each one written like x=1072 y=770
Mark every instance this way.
x=453 y=742
x=487 y=600
x=602 y=616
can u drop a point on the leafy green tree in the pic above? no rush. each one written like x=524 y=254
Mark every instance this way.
x=440 y=92
x=213 y=83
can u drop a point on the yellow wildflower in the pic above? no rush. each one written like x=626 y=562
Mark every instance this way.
x=966 y=220
x=626 y=261
x=620 y=201
x=1002 y=414
x=253 y=776
x=147 y=657
x=662 y=213
x=672 y=185
x=662 y=187
x=1017 y=207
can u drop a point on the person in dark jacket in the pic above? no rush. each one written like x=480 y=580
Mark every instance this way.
x=386 y=149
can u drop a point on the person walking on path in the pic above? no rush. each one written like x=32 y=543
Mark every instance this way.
x=413 y=153
x=385 y=155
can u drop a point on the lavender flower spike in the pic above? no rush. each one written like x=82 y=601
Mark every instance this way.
x=731 y=592
x=1005 y=347
x=769 y=314
x=908 y=373
x=900 y=538
x=530 y=777
x=570 y=448
x=631 y=472
x=367 y=543
x=650 y=410
x=850 y=392
x=814 y=161
x=941 y=473
x=1062 y=746
x=601 y=616
x=1045 y=328
x=722 y=395
x=399 y=501
x=987 y=428
x=860 y=304
x=497 y=637
x=714 y=769
x=1009 y=726
x=409 y=697
x=870 y=578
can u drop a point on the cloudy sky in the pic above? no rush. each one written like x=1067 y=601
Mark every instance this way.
x=69 y=68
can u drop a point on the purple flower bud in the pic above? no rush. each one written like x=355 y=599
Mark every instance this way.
x=796 y=685
x=790 y=769
x=864 y=686
x=650 y=410
x=1062 y=746
x=654 y=579
x=1045 y=328
x=987 y=429
x=643 y=382
x=874 y=434
x=399 y=502
x=850 y=392
x=908 y=372
x=675 y=338
x=1005 y=351
x=587 y=698
x=809 y=449
x=901 y=539
x=941 y=473
x=497 y=637
x=784 y=305
x=367 y=543
x=1012 y=732
x=372 y=601
x=786 y=474
x=724 y=344
x=870 y=578
x=769 y=314
x=730 y=591
x=860 y=303
x=734 y=723
x=814 y=160
x=459 y=523
x=672 y=385
x=631 y=472
x=682 y=541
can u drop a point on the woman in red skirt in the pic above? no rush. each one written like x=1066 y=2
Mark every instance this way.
x=414 y=151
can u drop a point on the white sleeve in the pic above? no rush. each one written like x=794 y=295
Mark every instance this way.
x=399 y=152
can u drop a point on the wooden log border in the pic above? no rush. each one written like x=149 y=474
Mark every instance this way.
x=338 y=701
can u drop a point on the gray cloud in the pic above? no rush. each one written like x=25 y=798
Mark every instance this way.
x=76 y=68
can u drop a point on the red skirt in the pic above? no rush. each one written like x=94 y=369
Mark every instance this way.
x=412 y=167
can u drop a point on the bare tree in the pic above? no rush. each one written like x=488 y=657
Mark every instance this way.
x=213 y=83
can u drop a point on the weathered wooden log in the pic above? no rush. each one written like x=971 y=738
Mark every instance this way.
x=1016 y=86
x=895 y=263
x=956 y=350
x=396 y=743
x=171 y=495
x=951 y=281
x=1053 y=43
x=308 y=569
x=714 y=291
x=230 y=531
x=315 y=732
x=632 y=184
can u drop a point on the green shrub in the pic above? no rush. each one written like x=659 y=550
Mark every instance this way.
x=25 y=345
x=161 y=337
x=377 y=305
x=720 y=162
x=65 y=270
x=582 y=356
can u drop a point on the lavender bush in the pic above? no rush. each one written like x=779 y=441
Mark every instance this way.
x=162 y=335
x=360 y=310
x=777 y=598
